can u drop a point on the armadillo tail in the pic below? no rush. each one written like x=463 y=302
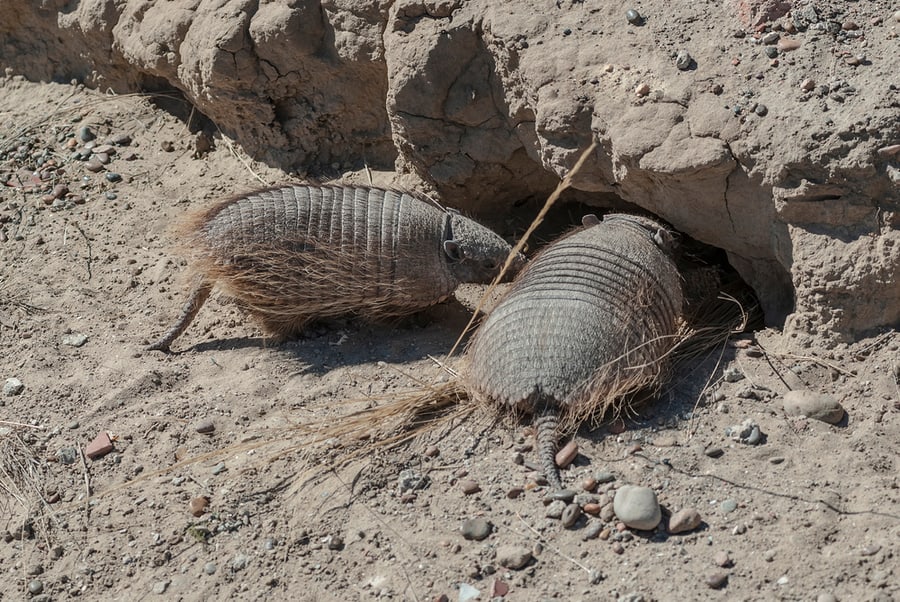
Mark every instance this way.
x=546 y=424
x=191 y=307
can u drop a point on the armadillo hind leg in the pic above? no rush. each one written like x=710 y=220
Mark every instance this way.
x=545 y=425
x=191 y=307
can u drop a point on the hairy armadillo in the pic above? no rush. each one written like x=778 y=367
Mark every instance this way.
x=296 y=253
x=591 y=318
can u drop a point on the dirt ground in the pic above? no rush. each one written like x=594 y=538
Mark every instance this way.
x=87 y=278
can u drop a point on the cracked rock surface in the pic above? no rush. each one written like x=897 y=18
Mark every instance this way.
x=777 y=142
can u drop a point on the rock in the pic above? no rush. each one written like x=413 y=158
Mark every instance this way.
x=722 y=559
x=716 y=580
x=209 y=568
x=642 y=90
x=714 y=452
x=476 y=528
x=634 y=17
x=748 y=432
x=555 y=509
x=12 y=386
x=570 y=515
x=686 y=519
x=683 y=60
x=513 y=557
x=410 y=480
x=592 y=508
x=99 y=447
x=808 y=85
x=198 y=505
x=787 y=44
x=86 y=134
x=732 y=374
x=205 y=426
x=819 y=406
x=469 y=486
x=826 y=598
x=728 y=506
x=160 y=587
x=432 y=451
x=566 y=455
x=499 y=589
x=35 y=587
x=563 y=495
x=467 y=592
x=219 y=468
x=604 y=477
x=74 y=340
x=637 y=507
x=592 y=531
x=515 y=492
x=113 y=176
x=67 y=455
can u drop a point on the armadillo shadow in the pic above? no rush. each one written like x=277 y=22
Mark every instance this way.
x=328 y=344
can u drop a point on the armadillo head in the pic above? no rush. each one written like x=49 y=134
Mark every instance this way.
x=476 y=253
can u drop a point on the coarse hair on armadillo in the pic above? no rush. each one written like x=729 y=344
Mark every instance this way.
x=592 y=319
x=292 y=254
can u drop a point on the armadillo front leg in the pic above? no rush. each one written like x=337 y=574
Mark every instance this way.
x=191 y=307
x=546 y=425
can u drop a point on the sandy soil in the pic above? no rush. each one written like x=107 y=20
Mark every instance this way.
x=88 y=278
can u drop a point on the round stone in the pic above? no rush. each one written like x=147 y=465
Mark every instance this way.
x=476 y=528
x=686 y=519
x=633 y=17
x=35 y=586
x=818 y=406
x=12 y=386
x=570 y=515
x=683 y=60
x=637 y=507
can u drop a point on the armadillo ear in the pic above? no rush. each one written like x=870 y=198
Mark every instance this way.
x=590 y=220
x=453 y=250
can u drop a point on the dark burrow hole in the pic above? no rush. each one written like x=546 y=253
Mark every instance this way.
x=173 y=101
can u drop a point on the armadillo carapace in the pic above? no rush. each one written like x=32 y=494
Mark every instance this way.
x=591 y=318
x=296 y=253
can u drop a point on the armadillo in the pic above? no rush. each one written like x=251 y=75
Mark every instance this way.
x=296 y=253
x=591 y=318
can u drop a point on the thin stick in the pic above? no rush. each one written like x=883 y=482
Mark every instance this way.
x=564 y=183
x=543 y=541
x=10 y=423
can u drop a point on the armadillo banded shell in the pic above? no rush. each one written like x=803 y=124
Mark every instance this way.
x=593 y=316
x=292 y=253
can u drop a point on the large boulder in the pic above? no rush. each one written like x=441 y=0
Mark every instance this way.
x=763 y=128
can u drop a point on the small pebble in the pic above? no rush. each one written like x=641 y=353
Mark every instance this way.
x=467 y=592
x=605 y=477
x=592 y=531
x=849 y=26
x=160 y=587
x=808 y=85
x=99 y=447
x=570 y=515
x=205 y=426
x=563 y=495
x=120 y=139
x=776 y=459
x=592 y=508
x=771 y=52
x=209 y=568
x=768 y=555
x=167 y=146
x=686 y=519
x=513 y=557
x=642 y=90
x=499 y=589
x=714 y=452
x=410 y=480
x=432 y=451
x=637 y=507
x=12 y=386
x=469 y=486
x=515 y=492
x=67 y=455
x=589 y=484
x=85 y=134
x=198 y=505
x=476 y=528
x=818 y=406
x=35 y=586
x=716 y=580
x=633 y=17
x=94 y=165
x=722 y=559
x=761 y=109
x=732 y=374
x=618 y=548
x=728 y=506
x=219 y=468
x=113 y=176
x=74 y=340
x=870 y=550
x=683 y=60
x=566 y=455
x=826 y=598
x=748 y=432
x=555 y=509
x=770 y=38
